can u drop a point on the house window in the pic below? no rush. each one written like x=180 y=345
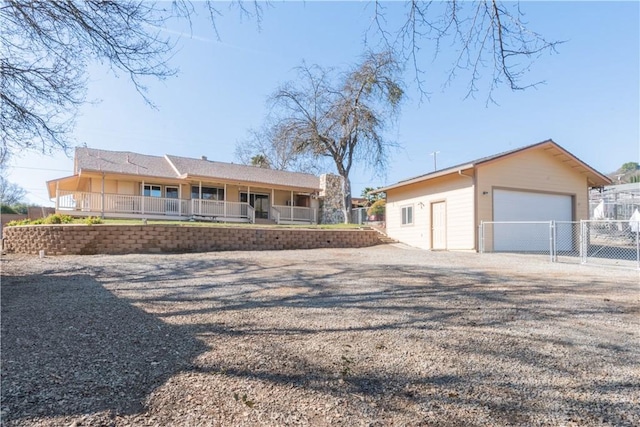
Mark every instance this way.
x=208 y=193
x=152 y=190
x=407 y=215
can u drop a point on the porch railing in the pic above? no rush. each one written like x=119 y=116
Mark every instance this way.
x=295 y=213
x=275 y=214
x=219 y=208
x=96 y=203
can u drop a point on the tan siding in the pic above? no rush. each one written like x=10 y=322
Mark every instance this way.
x=233 y=193
x=533 y=170
x=455 y=190
x=126 y=187
x=185 y=191
x=283 y=197
x=84 y=184
x=110 y=186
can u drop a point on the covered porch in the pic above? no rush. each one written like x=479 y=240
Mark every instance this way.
x=208 y=201
x=78 y=203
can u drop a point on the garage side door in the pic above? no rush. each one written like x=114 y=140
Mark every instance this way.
x=511 y=205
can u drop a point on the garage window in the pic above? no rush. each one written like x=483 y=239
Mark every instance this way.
x=407 y=215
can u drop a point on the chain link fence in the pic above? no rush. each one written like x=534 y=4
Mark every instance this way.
x=359 y=215
x=614 y=243
x=611 y=243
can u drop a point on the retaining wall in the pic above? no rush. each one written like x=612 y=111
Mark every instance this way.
x=125 y=239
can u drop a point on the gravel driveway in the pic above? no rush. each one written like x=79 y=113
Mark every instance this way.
x=374 y=337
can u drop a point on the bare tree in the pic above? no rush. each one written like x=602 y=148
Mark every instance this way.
x=46 y=46
x=276 y=144
x=343 y=116
x=10 y=193
x=45 y=49
x=485 y=34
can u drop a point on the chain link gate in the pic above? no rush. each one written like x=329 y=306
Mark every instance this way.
x=611 y=243
x=604 y=242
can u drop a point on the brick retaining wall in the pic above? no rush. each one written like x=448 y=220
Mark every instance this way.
x=125 y=239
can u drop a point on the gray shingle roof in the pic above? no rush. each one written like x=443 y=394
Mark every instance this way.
x=125 y=162
x=243 y=173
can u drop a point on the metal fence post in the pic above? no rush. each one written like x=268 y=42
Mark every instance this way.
x=551 y=240
x=638 y=244
x=583 y=242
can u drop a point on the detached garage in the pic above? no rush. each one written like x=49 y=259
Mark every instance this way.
x=524 y=210
x=443 y=209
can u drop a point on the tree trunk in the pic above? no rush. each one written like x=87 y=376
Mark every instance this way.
x=346 y=207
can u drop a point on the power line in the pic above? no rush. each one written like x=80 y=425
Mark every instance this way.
x=31 y=194
x=42 y=169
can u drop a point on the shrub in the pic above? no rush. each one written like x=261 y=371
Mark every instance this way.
x=16 y=222
x=58 y=219
x=93 y=220
x=51 y=219
x=377 y=208
x=6 y=209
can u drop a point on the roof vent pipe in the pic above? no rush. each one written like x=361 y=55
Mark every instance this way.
x=204 y=157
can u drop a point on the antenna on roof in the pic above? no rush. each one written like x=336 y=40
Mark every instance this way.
x=435 y=155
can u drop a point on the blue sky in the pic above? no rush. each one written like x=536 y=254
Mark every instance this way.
x=589 y=104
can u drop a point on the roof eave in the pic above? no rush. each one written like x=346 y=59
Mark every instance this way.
x=52 y=185
x=432 y=175
x=261 y=184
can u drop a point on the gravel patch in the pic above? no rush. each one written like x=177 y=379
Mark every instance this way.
x=376 y=336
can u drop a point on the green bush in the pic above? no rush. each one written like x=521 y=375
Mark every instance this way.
x=377 y=208
x=18 y=222
x=51 y=219
x=6 y=209
x=58 y=219
x=93 y=220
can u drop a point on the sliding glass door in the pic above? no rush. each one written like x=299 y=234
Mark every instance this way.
x=260 y=202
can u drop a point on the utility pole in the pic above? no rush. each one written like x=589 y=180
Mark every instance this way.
x=435 y=164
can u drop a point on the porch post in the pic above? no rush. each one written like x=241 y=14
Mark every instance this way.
x=102 y=203
x=248 y=198
x=291 y=206
x=199 y=197
x=142 y=196
x=273 y=198
x=224 y=200
x=179 y=199
x=57 y=195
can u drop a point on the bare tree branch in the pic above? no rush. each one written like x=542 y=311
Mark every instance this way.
x=481 y=31
x=10 y=193
x=275 y=144
x=46 y=47
x=342 y=116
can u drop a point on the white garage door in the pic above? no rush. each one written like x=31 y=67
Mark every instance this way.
x=528 y=206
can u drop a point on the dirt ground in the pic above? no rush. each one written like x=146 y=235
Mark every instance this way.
x=376 y=336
